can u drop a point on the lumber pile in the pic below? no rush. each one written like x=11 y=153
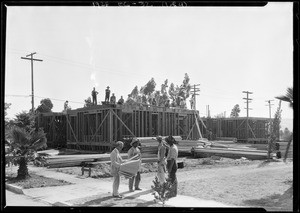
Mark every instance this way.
x=58 y=161
x=230 y=149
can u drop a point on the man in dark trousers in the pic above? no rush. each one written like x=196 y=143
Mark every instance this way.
x=172 y=163
x=94 y=96
x=107 y=93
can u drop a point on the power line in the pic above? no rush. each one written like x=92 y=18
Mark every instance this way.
x=27 y=96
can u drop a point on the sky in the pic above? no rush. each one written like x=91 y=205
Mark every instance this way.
x=227 y=50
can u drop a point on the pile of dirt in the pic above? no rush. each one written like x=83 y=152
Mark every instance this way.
x=101 y=171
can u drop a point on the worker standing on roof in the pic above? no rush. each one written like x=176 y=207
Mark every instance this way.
x=94 y=96
x=113 y=99
x=134 y=150
x=66 y=106
x=107 y=94
x=121 y=101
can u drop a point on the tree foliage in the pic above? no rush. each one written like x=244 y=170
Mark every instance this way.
x=45 y=106
x=286 y=134
x=25 y=120
x=24 y=144
x=148 y=95
x=288 y=97
x=235 y=111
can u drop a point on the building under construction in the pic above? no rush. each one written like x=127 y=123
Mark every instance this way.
x=97 y=127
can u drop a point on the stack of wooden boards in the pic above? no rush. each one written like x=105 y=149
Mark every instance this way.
x=231 y=149
x=149 y=145
x=58 y=161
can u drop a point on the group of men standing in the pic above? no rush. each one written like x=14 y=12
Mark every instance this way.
x=167 y=163
x=108 y=99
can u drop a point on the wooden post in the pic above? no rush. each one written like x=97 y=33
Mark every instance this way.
x=110 y=126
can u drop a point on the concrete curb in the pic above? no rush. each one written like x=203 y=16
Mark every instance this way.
x=14 y=188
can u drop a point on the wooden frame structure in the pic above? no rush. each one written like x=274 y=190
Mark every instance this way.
x=237 y=128
x=96 y=128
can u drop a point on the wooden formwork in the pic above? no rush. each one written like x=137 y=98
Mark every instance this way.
x=96 y=128
x=54 y=125
x=255 y=130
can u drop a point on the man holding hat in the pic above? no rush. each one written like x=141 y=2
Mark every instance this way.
x=116 y=161
x=134 y=150
x=161 y=155
x=172 y=162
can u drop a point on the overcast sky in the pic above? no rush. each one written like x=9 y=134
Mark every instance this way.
x=226 y=50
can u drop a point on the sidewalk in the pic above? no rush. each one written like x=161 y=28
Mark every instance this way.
x=97 y=192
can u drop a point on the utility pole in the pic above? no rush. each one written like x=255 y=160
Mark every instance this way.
x=270 y=128
x=32 y=59
x=247 y=99
x=194 y=93
x=269 y=104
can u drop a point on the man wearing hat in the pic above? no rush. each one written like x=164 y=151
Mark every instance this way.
x=116 y=161
x=107 y=93
x=172 y=162
x=134 y=150
x=94 y=96
x=161 y=156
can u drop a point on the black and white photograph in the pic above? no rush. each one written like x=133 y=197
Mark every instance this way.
x=140 y=105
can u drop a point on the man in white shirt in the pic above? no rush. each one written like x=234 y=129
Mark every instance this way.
x=116 y=161
x=172 y=162
x=161 y=160
x=134 y=150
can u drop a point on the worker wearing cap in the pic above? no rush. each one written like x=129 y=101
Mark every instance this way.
x=172 y=162
x=116 y=161
x=161 y=160
x=107 y=93
x=134 y=150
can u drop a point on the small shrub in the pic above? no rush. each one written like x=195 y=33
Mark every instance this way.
x=162 y=192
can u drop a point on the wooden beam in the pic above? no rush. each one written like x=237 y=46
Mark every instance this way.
x=123 y=123
x=100 y=125
x=72 y=129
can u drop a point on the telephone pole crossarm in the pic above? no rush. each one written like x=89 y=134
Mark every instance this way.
x=32 y=90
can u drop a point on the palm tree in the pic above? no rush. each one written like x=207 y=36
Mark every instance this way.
x=288 y=98
x=24 y=144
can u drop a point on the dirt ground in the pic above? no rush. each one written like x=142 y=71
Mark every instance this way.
x=34 y=181
x=239 y=182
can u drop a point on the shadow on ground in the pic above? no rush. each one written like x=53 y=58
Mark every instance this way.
x=275 y=202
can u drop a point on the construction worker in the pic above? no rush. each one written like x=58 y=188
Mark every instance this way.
x=113 y=99
x=192 y=101
x=107 y=94
x=66 y=106
x=172 y=163
x=121 y=101
x=116 y=161
x=134 y=150
x=161 y=160
x=94 y=96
